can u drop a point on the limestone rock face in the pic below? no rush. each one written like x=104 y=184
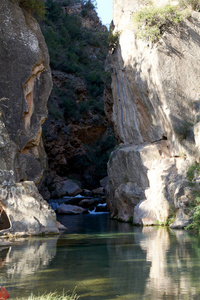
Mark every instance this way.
x=27 y=212
x=25 y=84
x=155 y=112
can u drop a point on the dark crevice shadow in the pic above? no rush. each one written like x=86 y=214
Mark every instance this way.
x=4 y=221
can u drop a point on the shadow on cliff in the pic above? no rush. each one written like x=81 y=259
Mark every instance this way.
x=147 y=96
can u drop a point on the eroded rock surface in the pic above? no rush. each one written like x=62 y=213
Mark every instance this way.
x=155 y=112
x=25 y=84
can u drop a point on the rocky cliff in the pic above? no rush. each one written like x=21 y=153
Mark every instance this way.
x=155 y=112
x=25 y=85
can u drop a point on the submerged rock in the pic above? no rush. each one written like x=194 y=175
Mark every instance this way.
x=99 y=191
x=86 y=203
x=70 y=209
x=61 y=227
x=70 y=188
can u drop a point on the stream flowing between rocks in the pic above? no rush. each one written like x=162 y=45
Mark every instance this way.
x=104 y=259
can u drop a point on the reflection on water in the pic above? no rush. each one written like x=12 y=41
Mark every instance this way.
x=105 y=259
x=156 y=243
x=19 y=263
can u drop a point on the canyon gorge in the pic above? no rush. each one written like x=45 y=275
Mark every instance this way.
x=151 y=100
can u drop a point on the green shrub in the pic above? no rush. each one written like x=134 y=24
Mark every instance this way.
x=130 y=220
x=54 y=112
x=97 y=106
x=195 y=224
x=193 y=169
x=87 y=6
x=151 y=22
x=84 y=107
x=35 y=7
x=70 y=107
x=183 y=130
x=194 y=205
x=113 y=38
x=68 y=44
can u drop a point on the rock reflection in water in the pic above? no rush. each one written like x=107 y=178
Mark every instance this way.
x=21 y=260
x=156 y=243
x=105 y=260
x=155 y=263
x=173 y=261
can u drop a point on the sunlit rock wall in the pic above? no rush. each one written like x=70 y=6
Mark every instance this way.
x=155 y=113
x=25 y=84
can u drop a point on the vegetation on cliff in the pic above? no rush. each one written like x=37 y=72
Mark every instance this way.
x=78 y=45
x=152 y=21
x=192 y=176
x=113 y=37
x=35 y=7
x=68 y=43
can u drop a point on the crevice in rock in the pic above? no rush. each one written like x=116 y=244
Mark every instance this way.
x=4 y=220
x=164 y=138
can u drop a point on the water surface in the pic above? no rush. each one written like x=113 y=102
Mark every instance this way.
x=105 y=259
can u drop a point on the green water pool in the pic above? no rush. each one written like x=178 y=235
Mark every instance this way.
x=104 y=259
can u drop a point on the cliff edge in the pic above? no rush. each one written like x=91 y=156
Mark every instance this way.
x=25 y=85
x=155 y=112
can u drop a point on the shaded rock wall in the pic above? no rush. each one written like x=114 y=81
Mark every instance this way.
x=25 y=84
x=155 y=111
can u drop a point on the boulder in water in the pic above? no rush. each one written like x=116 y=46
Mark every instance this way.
x=70 y=188
x=86 y=203
x=60 y=226
x=68 y=209
x=99 y=191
